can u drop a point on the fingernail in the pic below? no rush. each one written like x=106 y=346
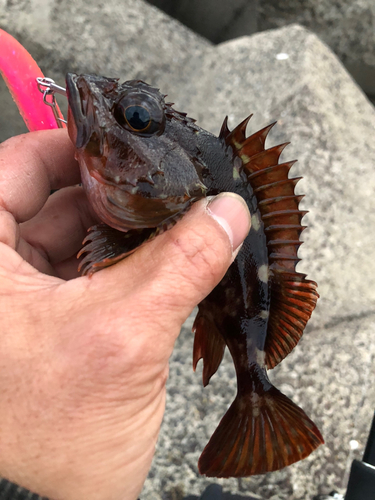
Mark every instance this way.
x=231 y=212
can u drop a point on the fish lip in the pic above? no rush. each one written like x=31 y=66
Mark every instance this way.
x=123 y=216
x=74 y=100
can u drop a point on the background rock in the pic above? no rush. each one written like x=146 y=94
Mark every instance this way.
x=216 y=20
x=286 y=75
x=348 y=26
x=11 y=122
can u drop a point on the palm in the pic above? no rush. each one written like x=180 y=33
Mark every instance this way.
x=88 y=378
x=51 y=239
x=75 y=338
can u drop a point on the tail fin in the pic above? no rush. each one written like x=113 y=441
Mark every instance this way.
x=259 y=434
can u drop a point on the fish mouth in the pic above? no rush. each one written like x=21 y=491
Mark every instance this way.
x=76 y=108
x=124 y=210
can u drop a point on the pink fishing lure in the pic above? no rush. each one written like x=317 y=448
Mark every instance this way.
x=20 y=71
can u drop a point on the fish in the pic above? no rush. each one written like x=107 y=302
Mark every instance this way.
x=143 y=164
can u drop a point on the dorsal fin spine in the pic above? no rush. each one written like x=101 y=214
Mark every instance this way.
x=224 y=132
x=273 y=243
x=284 y=256
x=237 y=136
x=282 y=212
x=269 y=170
x=281 y=199
x=287 y=183
x=264 y=159
x=257 y=140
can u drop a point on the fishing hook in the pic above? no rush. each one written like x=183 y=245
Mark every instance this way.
x=48 y=87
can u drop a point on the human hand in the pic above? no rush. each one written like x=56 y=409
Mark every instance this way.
x=84 y=361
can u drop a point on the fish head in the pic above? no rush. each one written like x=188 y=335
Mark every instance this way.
x=138 y=157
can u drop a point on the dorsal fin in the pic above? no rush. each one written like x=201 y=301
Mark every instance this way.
x=293 y=298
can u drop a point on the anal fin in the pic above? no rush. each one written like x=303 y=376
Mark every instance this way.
x=208 y=342
x=259 y=433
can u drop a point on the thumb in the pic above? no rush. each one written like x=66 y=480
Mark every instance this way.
x=171 y=274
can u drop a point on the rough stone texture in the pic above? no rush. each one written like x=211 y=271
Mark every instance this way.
x=127 y=38
x=11 y=122
x=214 y=19
x=330 y=124
x=348 y=27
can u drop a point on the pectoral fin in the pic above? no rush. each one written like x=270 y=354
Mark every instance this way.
x=104 y=246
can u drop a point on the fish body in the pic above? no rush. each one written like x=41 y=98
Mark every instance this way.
x=143 y=164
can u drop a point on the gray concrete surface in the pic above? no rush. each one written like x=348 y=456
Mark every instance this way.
x=215 y=20
x=348 y=26
x=11 y=122
x=331 y=125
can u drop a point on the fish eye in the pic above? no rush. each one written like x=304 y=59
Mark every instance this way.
x=140 y=113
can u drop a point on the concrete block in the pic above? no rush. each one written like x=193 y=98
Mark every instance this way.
x=215 y=20
x=348 y=27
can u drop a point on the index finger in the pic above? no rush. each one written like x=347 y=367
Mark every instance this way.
x=31 y=165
